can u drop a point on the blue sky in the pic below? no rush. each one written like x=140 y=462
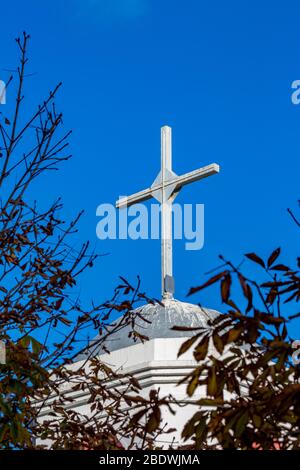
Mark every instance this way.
x=219 y=73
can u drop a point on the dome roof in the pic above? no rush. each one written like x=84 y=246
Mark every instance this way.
x=159 y=321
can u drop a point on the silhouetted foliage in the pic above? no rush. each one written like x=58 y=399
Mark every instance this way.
x=248 y=375
x=42 y=320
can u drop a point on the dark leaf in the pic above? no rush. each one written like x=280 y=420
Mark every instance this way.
x=280 y=267
x=201 y=349
x=193 y=382
x=212 y=386
x=218 y=342
x=187 y=344
x=273 y=257
x=154 y=420
x=255 y=258
x=234 y=334
x=211 y=281
x=241 y=424
x=225 y=287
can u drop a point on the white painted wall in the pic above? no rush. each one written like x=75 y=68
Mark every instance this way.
x=156 y=366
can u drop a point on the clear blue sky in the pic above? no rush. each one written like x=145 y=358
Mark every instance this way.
x=219 y=73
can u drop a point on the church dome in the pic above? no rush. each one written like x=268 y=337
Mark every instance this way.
x=159 y=319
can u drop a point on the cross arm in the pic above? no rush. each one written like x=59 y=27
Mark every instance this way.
x=178 y=181
x=134 y=198
x=197 y=175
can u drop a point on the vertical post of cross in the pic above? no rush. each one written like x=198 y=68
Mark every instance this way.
x=2 y=92
x=166 y=215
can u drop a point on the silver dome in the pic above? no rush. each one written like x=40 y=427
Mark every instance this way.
x=160 y=320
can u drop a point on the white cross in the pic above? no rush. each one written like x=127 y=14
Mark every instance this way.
x=165 y=188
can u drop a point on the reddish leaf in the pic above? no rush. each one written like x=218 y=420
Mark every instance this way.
x=280 y=267
x=225 y=287
x=58 y=303
x=211 y=281
x=247 y=291
x=255 y=258
x=234 y=334
x=273 y=257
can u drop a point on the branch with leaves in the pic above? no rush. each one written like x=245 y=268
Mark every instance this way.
x=251 y=384
x=42 y=320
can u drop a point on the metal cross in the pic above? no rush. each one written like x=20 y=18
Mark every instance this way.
x=165 y=188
